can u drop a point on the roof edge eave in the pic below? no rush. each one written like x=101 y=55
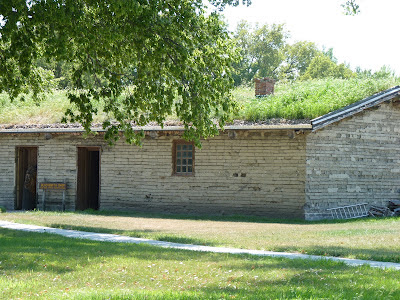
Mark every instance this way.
x=158 y=128
x=354 y=108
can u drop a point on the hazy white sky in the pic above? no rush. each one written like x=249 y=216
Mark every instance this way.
x=370 y=39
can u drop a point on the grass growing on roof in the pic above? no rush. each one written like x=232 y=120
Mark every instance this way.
x=298 y=100
x=308 y=99
x=52 y=267
x=370 y=239
x=49 y=110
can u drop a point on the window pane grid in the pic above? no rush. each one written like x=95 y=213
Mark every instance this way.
x=184 y=159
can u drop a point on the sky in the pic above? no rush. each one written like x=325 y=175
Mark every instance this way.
x=369 y=39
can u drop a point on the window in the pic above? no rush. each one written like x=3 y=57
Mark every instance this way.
x=183 y=158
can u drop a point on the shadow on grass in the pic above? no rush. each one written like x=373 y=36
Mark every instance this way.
x=137 y=234
x=43 y=256
x=310 y=280
x=132 y=233
x=222 y=218
x=47 y=252
x=377 y=254
x=215 y=218
x=229 y=218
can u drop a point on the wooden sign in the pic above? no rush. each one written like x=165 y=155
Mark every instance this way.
x=52 y=186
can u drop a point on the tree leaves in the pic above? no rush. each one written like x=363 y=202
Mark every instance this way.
x=322 y=66
x=261 y=50
x=351 y=7
x=266 y=53
x=141 y=60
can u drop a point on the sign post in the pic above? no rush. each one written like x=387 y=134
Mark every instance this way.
x=53 y=186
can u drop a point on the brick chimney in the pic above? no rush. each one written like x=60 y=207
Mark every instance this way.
x=264 y=86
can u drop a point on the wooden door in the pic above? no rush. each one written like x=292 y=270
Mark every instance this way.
x=26 y=178
x=88 y=180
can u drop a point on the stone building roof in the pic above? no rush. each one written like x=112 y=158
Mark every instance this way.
x=356 y=107
x=74 y=128
x=272 y=124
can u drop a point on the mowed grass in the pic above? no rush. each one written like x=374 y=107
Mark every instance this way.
x=370 y=239
x=44 y=266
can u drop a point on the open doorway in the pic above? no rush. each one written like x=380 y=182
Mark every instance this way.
x=88 y=181
x=26 y=178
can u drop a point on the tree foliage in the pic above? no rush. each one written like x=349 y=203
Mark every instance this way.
x=297 y=58
x=265 y=52
x=351 y=7
x=141 y=60
x=383 y=73
x=322 y=66
x=261 y=50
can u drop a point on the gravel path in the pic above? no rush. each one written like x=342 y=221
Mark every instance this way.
x=105 y=237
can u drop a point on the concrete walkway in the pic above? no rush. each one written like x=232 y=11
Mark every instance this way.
x=105 y=237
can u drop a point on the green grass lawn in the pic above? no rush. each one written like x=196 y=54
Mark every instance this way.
x=371 y=239
x=44 y=266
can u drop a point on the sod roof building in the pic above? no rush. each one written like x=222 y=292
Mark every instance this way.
x=346 y=157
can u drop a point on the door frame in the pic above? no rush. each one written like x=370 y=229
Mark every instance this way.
x=18 y=181
x=89 y=148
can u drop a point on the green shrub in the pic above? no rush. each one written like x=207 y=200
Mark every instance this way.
x=2 y=209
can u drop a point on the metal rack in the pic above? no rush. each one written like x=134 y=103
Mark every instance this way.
x=349 y=211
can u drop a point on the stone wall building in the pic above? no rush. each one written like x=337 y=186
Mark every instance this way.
x=353 y=155
x=286 y=171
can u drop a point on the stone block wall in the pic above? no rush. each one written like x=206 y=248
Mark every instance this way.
x=256 y=173
x=354 y=161
x=7 y=172
x=57 y=162
x=246 y=173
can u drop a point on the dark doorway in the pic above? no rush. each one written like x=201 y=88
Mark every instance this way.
x=26 y=177
x=88 y=181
